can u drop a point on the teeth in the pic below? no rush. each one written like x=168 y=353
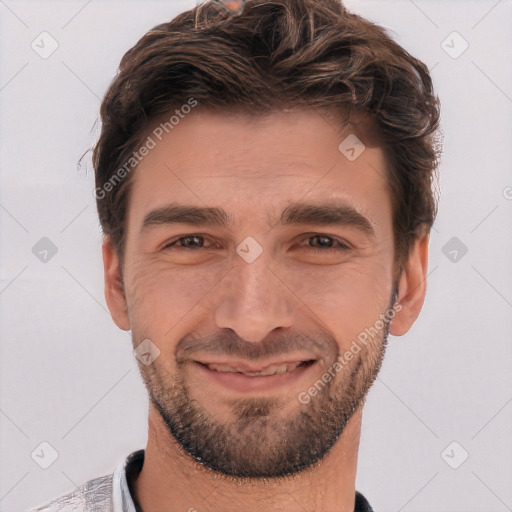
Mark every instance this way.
x=271 y=370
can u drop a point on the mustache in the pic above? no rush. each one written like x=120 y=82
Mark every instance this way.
x=321 y=344
x=227 y=342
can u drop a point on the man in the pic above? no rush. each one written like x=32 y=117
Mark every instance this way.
x=264 y=185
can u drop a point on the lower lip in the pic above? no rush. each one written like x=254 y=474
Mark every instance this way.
x=244 y=383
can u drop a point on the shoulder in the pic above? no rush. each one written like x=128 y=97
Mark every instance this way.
x=93 y=496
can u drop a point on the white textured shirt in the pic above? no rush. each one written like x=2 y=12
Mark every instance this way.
x=108 y=493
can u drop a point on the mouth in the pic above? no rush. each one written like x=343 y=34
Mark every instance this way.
x=272 y=369
x=242 y=377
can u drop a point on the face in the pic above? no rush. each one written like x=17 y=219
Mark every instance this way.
x=256 y=255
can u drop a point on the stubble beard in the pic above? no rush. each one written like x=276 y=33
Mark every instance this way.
x=259 y=442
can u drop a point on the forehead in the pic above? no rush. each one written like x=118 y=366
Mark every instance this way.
x=257 y=164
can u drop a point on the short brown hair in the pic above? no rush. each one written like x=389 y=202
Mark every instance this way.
x=311 y=53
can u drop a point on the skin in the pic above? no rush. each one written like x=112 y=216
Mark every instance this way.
x=253 y=168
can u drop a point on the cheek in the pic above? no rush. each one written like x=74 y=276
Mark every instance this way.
x=160 y=295
x=347 y=299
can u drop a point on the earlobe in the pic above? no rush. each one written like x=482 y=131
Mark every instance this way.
x=114 y=289
x=412 y=287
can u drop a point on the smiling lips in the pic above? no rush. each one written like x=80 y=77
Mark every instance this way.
x=247 y=377
x=262 y=371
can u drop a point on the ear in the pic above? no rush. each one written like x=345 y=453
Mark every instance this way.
x=114 y=288
x=412 y=287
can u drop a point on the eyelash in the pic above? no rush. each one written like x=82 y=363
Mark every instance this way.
x=341 y=246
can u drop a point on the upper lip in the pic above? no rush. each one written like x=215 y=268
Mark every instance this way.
x=244 y=366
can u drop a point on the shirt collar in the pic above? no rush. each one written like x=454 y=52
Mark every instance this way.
x=121 y=497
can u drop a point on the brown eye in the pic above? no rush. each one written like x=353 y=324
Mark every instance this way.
x=189 y=242
x=327 y=244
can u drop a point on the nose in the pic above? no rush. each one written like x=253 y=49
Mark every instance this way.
x=254 y=301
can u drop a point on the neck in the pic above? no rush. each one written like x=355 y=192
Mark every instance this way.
x=172 y=480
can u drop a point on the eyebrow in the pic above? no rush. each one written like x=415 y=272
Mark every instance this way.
x=323 y=214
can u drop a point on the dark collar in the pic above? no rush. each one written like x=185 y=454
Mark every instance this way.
x=362 y=504
x=136 y=460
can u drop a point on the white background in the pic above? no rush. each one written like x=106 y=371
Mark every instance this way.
x=68 y=375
